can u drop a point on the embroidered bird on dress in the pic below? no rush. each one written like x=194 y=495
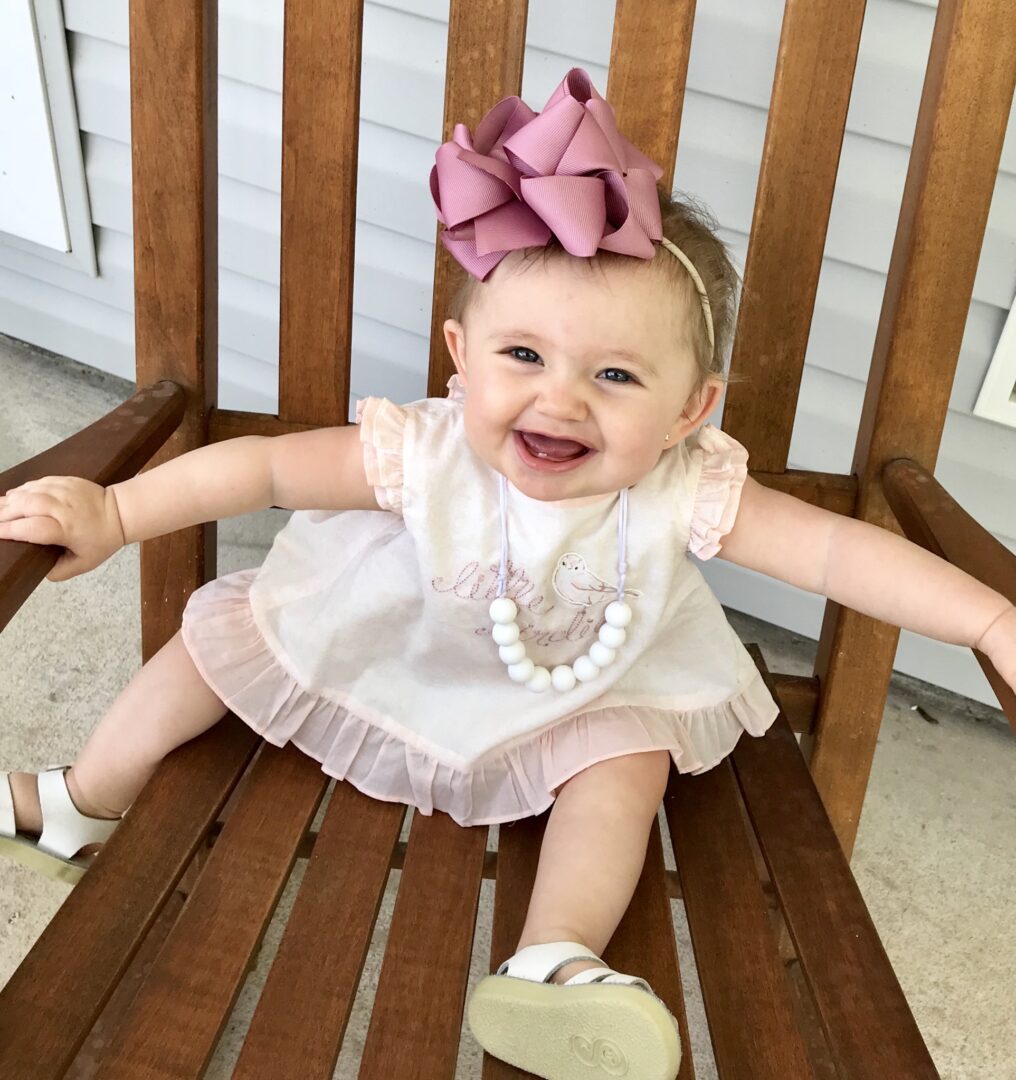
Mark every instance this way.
x=576 y=584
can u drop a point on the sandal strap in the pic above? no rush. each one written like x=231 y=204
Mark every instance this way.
x=6 y=806
x=538 y=963
x=606 y=975
x=65 y=830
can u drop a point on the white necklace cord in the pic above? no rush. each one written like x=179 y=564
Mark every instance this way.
x=506 y=633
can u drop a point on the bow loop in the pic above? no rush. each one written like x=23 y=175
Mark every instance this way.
x=525 y=176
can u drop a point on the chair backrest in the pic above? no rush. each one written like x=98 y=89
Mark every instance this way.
x=965 y=104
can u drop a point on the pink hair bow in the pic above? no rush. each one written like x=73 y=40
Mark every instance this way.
x=566 y=171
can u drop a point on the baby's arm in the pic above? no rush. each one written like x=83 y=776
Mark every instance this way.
x=320 y=469
x=309 y=470
x=871 y=570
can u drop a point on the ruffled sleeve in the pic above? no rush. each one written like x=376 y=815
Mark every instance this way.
x=382 y=430
x=722 y=468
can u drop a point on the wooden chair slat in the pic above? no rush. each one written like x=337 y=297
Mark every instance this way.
x=931 y=517
x=230 y=424
x=91 y=939
x=746 y=994
x=870 y=1029
x=417 y=1014
x=648 y=69
x=836 y=492
x=807 y=116
x=518 y=856
x=961 y=125
x=486 y=42
x=798 y=698
x=644 y=943
x=200 y=968
x=173 y=54
x=320 y=136
x=304 y=1008
x=112 y=449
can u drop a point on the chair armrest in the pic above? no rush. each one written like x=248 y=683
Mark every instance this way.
x=931 y=517
x=108 y=451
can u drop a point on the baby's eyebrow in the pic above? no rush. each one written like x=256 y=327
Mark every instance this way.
x=626 y=356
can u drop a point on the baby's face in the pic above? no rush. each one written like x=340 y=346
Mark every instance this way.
x=574 y=378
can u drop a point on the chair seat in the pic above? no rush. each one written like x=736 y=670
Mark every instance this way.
x=756 y=858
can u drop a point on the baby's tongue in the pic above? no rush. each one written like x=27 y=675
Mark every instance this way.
x=553 y=449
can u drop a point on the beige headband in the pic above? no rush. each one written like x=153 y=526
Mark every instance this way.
x=703 y=296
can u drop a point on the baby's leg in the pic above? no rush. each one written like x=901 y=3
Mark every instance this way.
x=165 y=704
x=593 y=851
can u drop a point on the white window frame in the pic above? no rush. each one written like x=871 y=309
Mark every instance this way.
x=52 y=44
x=997 y=399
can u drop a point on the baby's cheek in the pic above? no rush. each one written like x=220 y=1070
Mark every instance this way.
x=482 y=432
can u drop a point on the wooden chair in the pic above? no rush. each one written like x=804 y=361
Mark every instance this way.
x=795 y=980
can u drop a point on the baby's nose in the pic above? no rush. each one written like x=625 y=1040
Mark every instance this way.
x=562 y=399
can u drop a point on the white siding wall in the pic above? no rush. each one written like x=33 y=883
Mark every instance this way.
x=730 y=79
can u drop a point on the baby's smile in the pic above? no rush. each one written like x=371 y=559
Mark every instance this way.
x=547 y=453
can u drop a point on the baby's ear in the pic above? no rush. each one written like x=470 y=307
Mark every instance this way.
x=702 y=402
x=455 y=339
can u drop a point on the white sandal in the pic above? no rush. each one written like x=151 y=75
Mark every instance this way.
x=560 y=1031
x=65 y=830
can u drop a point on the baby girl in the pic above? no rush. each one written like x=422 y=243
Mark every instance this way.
x=484 y=604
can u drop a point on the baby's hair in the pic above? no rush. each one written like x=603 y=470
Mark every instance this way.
x=688 y=224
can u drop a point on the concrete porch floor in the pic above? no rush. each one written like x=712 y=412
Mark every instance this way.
x=934 y=854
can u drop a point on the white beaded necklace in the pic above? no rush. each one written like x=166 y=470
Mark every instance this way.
x=601 y=653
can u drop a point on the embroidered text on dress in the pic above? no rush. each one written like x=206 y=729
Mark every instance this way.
x=582 y=625
x=471 y=581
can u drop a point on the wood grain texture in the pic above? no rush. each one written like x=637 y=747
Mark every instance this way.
x=175 y=185
x=320 y=135
x=303 y=1011
x=746 y=994
x=417 y=1014
x=52 y=1000
x=961 y=124
x=644 y=943
x=518 y=857
x=807 y=115
x=869 y=1027
x=112 y=449
x=486 y=42
x=200 y=969
x=648 y=70
x=931 y=517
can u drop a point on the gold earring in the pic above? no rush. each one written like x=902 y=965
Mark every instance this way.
x=667 y=439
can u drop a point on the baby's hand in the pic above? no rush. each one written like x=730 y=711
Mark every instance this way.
x=76 y=514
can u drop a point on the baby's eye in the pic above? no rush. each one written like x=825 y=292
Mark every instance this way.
x=522 y=349
x=625 y=377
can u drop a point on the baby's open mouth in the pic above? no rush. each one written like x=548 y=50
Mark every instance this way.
x=544 y=446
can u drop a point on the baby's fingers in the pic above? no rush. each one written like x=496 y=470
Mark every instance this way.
x=32 y=530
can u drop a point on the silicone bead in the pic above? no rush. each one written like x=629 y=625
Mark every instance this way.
x=503 y=610
x=585 y=669
x=539 y=681
x=512 y=654
x=612 y=636
x=601 y=655
x=562 y=677
x=522 y=671
x=617 y=614
x=506 y=633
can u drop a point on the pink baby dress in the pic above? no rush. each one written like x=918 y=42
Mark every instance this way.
x=364 y=638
